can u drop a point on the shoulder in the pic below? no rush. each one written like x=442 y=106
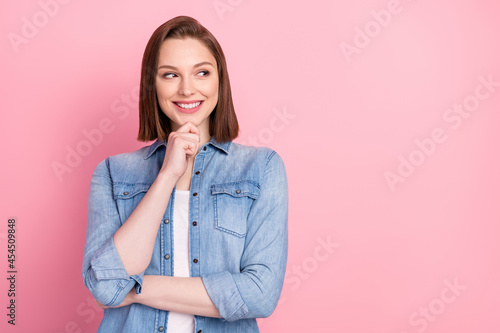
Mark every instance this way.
x=130 y=158
x=264 y=155
x=261 y=162
x=124 y=167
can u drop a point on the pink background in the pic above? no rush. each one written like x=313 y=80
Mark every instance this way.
x=341 y=123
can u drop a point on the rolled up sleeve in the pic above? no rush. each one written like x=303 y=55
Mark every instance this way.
x=254 y=292
x=102 y=270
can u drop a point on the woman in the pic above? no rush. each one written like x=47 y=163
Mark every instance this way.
x=188 y=234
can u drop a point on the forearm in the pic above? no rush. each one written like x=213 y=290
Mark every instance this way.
x=178 y=294
x=135 y=239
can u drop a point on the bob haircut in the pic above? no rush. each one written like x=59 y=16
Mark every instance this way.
x=153 y=123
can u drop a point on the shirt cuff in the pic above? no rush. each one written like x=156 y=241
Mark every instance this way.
x=225 y=295
x=107 y=265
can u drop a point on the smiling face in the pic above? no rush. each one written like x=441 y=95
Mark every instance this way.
x=187 y=82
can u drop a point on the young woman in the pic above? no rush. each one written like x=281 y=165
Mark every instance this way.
x=188 y=234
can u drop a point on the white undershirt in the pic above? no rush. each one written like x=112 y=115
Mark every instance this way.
x=181 y=322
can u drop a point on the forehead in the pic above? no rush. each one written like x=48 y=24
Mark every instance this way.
x=184 y=52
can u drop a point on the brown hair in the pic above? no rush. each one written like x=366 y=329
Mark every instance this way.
x=153 y=123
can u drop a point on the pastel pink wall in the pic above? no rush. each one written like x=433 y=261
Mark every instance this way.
x=394 y=219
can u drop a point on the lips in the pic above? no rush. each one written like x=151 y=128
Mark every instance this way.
x=188 y=106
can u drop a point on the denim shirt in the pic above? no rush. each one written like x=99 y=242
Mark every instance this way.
x=238 y=235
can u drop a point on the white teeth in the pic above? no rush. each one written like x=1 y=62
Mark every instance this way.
x=188 y=106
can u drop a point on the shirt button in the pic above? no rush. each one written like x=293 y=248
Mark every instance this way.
x=199 y=331
x=205 y=148
x=238 y=191
x=197 y=172
x=125 y=193
x=166 y=221
x=160 y=329
x=195 y=194
x=195 y=261
x=195 y=224
x=167 y=256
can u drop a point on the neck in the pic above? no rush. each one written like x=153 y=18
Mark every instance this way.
x=204 y=136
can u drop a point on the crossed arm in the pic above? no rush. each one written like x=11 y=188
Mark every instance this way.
x=179 y=294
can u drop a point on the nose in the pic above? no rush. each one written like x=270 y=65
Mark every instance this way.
x=186 y=87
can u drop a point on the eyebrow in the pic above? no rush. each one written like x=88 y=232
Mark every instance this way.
x=197 y=65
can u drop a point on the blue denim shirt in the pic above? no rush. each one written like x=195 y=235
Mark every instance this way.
x=238 y=245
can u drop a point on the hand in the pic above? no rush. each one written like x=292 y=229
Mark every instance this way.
x=102 y=306
x=182 y=145
x=129 y=299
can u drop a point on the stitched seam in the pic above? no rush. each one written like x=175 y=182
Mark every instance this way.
x=113 y=191
x=116 y=294
x=132 y=184
x=270 y=157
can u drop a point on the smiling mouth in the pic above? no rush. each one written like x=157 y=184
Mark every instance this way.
x=188 y=106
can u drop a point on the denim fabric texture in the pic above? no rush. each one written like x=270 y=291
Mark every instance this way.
x=238 y=245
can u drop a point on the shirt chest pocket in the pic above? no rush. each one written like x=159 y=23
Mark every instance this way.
x=127 y=197
x=232 y=203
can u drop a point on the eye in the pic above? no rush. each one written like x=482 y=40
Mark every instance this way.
x=168 y=75
x=205 y=73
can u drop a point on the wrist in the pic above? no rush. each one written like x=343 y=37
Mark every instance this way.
x=132 y=297
x=167 y=178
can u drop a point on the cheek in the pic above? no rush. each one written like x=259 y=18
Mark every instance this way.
x=163 y=92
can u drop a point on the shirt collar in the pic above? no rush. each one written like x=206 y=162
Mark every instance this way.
x=224 y=146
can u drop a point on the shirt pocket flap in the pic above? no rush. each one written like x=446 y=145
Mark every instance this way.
x=127 y=191
x=243 y=188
